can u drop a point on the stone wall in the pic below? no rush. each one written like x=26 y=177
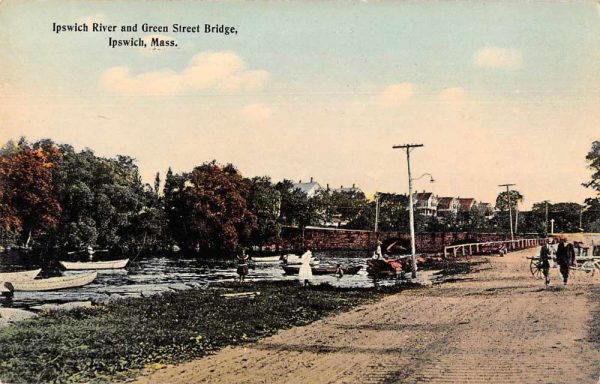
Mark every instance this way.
x=341 y=239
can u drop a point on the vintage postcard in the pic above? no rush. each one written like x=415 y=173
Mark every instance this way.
x=299 y=192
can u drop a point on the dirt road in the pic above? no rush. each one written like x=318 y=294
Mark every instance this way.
x=497 y=326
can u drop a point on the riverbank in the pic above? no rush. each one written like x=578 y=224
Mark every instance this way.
x=498 y=325
x=106 y=342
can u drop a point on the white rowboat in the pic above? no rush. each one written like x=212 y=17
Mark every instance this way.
x=114 y=264
x=19 y=276
x=266 y=259
x=55 y=283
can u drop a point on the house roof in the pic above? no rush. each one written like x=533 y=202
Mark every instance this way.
x=466 y=203
x=348 y=189
x=308 y=188
x=423 y=196
x=445 y=202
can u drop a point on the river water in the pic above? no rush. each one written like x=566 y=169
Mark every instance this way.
x=151 y=275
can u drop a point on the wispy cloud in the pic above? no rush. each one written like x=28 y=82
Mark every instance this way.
x=218 y=71
x=257 y=113
x=396 y=94
x=498 y=58
x=452 y=95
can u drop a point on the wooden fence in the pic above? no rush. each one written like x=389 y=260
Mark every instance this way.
x=490 y=247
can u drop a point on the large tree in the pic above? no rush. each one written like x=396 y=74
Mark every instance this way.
x=208 y=208
x=264 y=201
x=593 y=159
x=28 y=202
x=296 y=207
x=103 y=201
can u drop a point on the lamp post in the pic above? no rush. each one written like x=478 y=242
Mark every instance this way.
x=408 y=148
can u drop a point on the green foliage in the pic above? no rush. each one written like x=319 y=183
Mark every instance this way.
x=344 y=206
x=264 y=202
x=593 y=159
x=393 y=212
x=98 y=343
x=102 y=200
x=296 y=207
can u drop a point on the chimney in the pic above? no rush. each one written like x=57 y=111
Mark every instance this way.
x=352 y=185
x=328 y=186
x=311 y=179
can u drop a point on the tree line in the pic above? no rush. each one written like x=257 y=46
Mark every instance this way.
x=54 y=198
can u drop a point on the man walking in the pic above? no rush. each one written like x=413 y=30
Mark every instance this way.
x=563 y=259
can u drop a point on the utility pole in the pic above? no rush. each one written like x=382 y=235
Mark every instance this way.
x=408 y=148
x=546 y=221
x=376 y=213
x=512 y=237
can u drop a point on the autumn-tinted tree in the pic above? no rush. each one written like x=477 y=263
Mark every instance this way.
x=208 y=209
x=28 y=202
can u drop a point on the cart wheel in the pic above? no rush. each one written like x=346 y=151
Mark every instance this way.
x=536 y=269
x=588 y=267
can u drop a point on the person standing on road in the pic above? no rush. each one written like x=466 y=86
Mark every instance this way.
x=571 y=255
x=545 y=256
x=563 y=259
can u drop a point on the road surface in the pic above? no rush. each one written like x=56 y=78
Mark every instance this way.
x=496 y=325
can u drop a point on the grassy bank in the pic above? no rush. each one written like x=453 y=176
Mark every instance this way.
x=102 y=343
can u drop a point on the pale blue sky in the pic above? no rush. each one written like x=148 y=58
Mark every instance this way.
x=318 y=106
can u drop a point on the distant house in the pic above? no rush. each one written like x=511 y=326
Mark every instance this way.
x=485 y=208
x=466 y=204
x=425 y=203
x=448 y=205
x=310 y=189
x=352 y=189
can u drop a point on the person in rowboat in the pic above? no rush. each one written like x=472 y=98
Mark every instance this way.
x=378 y=255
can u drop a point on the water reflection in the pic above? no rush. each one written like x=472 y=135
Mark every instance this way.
x=150 y=275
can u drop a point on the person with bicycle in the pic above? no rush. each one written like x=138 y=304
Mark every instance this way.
x=545 y=256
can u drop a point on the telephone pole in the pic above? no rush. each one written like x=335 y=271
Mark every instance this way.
x=408 y=148
x=512 y=237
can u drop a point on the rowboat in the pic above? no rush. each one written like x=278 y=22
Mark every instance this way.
x=312 y=262
x=293 y=270
x=19 y=276
x=266 y=259
x=55 y=283
x=384 y=267
x=114 y=264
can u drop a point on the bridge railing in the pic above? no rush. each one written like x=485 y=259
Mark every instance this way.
x=487 y=247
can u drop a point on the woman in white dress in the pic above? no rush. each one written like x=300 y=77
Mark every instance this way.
x=305 y=272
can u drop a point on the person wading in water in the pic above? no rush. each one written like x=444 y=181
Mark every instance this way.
x=242 y=269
